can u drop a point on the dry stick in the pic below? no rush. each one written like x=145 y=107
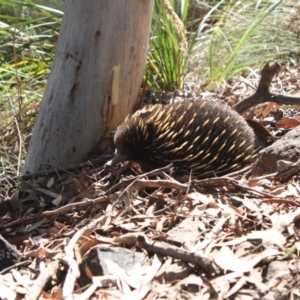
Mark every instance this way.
x=55 y=170
x=175 y=210
x=63 y=209
x=262 y=93
x=107 y=197
x=131 y=187
x=205 y=262
x=42 y=280
x=20 y=145
x=212 y=182
x=225 y=181
x=139 y=184
x=239 y=172
x=127 y=182
x=107 y=281
x=15 y=266
x=69 y=258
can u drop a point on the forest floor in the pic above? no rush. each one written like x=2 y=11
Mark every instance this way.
x=90 y=232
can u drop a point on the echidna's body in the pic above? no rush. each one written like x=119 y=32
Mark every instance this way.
x=206 y=137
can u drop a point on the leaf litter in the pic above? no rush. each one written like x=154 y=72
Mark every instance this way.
x=93 y=233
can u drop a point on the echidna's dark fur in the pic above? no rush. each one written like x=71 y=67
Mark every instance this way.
x=206 y=137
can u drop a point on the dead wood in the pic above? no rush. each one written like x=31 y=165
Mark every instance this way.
x=221 y=219
x=262 y=93
x=61 y=210
x=204 y=261
x=126 y=182
x=70 y=256
x=56 y=170
x=43 y=278
x=138 y=183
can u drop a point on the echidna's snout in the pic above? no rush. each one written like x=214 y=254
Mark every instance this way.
x=118 y=158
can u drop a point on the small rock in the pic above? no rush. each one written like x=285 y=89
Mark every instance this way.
x=99 y=260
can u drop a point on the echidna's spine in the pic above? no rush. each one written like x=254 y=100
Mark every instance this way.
x=203 y=136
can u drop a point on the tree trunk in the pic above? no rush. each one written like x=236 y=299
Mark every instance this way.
x=95 y=79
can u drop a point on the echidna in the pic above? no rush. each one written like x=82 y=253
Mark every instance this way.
x=205 y=137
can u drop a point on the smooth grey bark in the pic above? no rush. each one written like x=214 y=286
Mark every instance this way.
x=94 y=82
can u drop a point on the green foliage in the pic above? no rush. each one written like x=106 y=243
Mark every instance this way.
x=168 y=46
x=240 y=36
x=27 y=47
x=220 y=73
x=26 y=50
x=28 y=35
x=224 y=37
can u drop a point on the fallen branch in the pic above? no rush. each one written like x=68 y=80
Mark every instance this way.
x=63 y=209
x=262 y=93
x=204 y=261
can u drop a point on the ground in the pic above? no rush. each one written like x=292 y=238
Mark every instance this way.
x=116 y=233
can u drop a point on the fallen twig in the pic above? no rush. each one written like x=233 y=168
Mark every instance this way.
x=69 y=258
x=56 y=170
x=63 y=209
x=43 y=279
x=204 y=261
x=124 y=184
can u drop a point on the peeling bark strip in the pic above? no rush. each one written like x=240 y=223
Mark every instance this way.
x=96 y=39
